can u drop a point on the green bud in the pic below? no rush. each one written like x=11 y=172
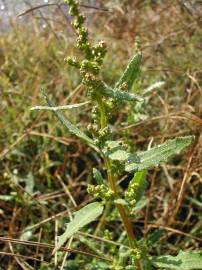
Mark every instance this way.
x=89 y=66
x=72 y=62
x=104 y=133
x=100 y=191
x=135 y=255
x=73 y=10
x=108 y=235
x=123 y=86
x=90 y=79
x=71 y=2
x=78 y=22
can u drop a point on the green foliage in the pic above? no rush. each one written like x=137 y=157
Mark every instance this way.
x=115 y=153
x=59 y=108
x=153 y=86
x=71 y=127
x=101 y=191
x=111 y=150
x=98 y=176
x=185 y=260
x=161 y=153
x=117 y=95
x=131 y=73
x=115 y=150
x=34 y=143
x=137 y=186
x=81 y=218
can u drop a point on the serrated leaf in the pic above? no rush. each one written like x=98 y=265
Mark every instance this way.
x=131 y=72
x=82 y=217
x=183 y=261
x=71 y=127
x=158 y=154
x=98 y=176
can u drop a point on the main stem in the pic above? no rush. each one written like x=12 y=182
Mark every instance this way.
x=112 y=182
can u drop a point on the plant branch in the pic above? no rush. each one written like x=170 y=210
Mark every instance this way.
x=112 y=181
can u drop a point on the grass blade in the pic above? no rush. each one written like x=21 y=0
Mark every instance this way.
x=82 y=217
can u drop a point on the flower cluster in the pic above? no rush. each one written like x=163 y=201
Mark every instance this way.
x=135 y=255
x=126 y=259
x=108 y=235
x=131 y=193
x=100 y=191
x=94 y=55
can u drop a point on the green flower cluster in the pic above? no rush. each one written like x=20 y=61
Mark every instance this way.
x=126 y=259
x=100 y=134
x=100 y=191
x=108 y=235
x=94 y=55
x=131 y=193
x=135 y=255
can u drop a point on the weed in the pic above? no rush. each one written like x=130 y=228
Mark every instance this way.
x=116 y=155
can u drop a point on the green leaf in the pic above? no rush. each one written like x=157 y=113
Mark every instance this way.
x=98 y=176
x=131 y=73
x=118 y=95
x=6 y=198
x=82 y=217
x=115 y=151
x=153 y=237
x=140 y=179
x=29 y=183
x=121 y=201
x=97 y=266
x=183 y=261
x=158 y=154
x=153 y=86
x=59 y=108
x=71 y=127
x=140 y=204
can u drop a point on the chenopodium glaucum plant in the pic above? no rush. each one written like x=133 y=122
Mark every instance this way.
x=115 y=155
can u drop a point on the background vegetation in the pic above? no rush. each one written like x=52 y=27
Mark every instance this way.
x=44 y=171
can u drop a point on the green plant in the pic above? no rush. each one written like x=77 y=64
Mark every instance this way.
x=116 y=155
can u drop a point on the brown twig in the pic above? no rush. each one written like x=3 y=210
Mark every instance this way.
x=44 y=245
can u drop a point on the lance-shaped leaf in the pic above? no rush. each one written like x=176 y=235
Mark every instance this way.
x=153 y=86
x=82 y=217
x=119 y=95
x=131 y=72
x=158 y=154
x=59 y=108
x=71 y=127
x=116 y=94
x=98 y=176
x=183 y=261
